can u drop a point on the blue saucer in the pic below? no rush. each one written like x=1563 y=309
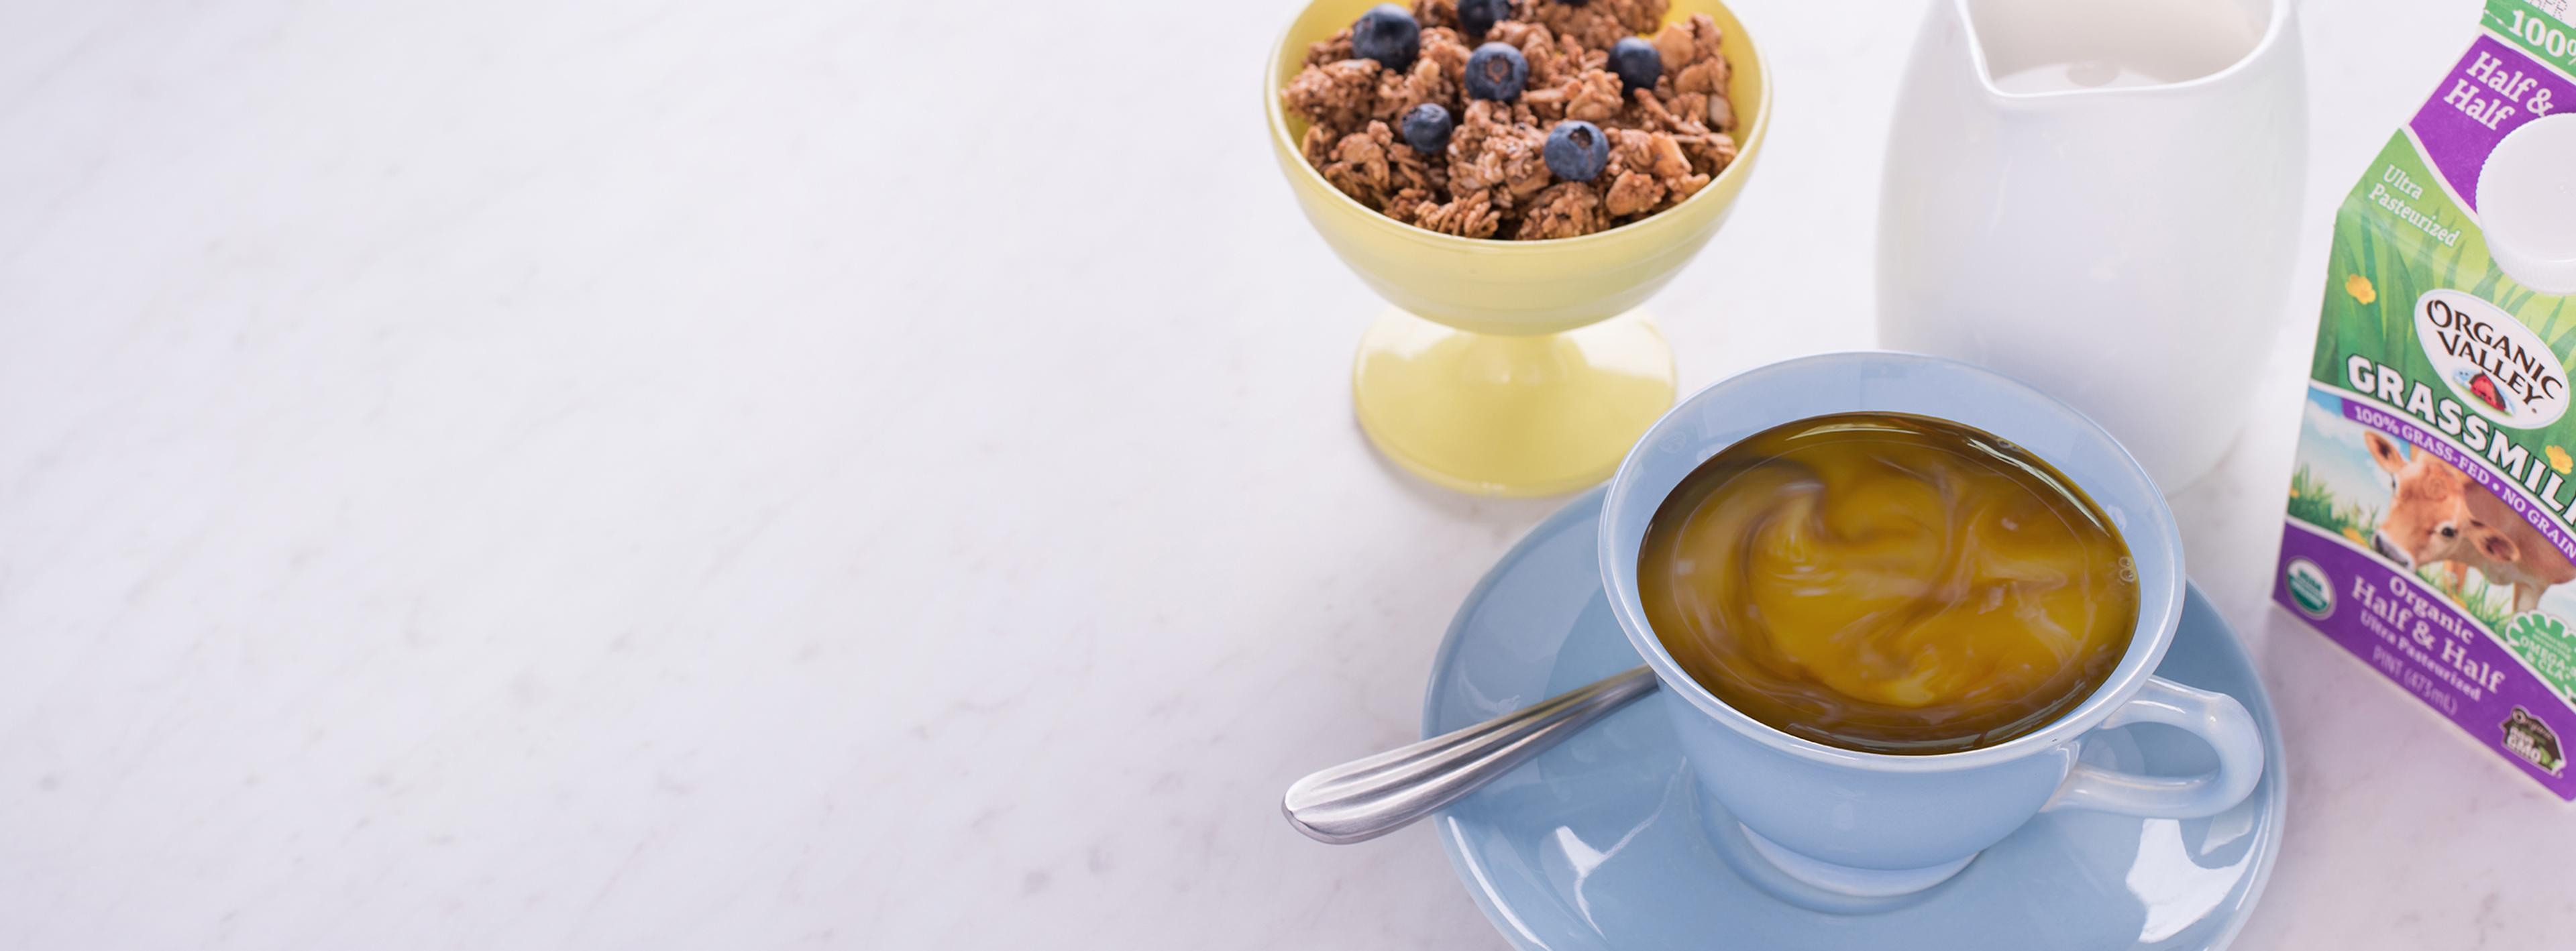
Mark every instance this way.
x=1605 y=842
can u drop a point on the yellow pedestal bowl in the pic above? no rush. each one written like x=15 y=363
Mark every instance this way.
x=1513 y=367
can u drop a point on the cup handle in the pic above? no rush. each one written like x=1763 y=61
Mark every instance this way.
x=2216 y=718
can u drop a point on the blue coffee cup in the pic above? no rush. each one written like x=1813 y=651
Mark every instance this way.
x=1876 y=825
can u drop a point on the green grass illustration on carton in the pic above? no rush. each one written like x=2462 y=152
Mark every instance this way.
x=2487 y=604
x=2313 y=503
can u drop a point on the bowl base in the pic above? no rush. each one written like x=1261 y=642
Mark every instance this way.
x=1510 y=416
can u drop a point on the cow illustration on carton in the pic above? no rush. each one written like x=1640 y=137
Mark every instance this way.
x=2438 y=515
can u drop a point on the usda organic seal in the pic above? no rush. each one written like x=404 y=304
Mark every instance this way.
x=2308 y=588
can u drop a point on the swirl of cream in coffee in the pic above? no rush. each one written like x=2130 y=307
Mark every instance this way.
x=1888 y=583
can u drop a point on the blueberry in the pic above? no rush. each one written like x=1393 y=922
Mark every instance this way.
x=1576 y=150
x=1426 y=128
x=1477 y=16
x=1637 y=63
x=1387 y=34
x=1496 y=71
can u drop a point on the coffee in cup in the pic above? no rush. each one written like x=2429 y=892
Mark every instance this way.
x=1888 y=583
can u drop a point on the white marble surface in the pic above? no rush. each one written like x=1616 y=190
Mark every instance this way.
x=543 y=475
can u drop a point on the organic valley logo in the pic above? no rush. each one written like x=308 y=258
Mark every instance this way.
x=2500 y=368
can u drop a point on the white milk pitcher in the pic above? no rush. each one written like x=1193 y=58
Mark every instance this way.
x=2100 y=198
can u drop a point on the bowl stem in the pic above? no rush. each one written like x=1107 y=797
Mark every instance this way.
x=1509 y=415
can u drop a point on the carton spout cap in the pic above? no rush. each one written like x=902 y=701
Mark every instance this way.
x=2527 y=204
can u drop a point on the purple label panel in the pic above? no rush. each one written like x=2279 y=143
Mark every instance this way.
x=2414 y=637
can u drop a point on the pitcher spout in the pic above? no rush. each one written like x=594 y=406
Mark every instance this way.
x=2099 y=196
x=2025 y=49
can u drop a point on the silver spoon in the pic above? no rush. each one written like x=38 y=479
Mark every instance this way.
x=1363 y=799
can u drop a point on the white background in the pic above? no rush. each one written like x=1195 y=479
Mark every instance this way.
x=544 y=475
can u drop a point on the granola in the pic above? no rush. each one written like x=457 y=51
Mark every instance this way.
x=1492 y=178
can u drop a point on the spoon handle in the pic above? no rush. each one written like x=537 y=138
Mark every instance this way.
x=1364 y=799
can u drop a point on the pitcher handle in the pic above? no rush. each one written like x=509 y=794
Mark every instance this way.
x=2216 y=718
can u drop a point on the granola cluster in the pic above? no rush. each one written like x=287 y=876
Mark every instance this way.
x=1491 y=180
